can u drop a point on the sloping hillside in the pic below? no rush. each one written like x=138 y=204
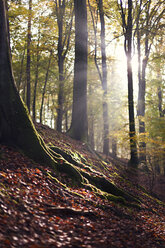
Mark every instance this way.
x=43 y=208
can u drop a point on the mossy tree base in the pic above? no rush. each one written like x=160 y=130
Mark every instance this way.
x=91 y=178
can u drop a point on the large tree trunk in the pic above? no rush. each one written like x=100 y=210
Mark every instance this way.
x=15 y=125
x=79 y=125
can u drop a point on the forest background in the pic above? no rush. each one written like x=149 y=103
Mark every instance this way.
x=42 y=34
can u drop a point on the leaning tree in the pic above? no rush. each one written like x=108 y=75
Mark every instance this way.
x=16 y=126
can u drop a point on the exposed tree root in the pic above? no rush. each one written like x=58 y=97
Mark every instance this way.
x=61 y=211
x=95 y=179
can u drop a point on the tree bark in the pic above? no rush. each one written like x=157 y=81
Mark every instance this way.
x=21 y=70
x=104 y=81
x=102 y=73
x=127 y=29
x=15 y=124
x=160 y=100
x=44 y=89
x=79 y=125
x=36 y=78
x=60 y=14
x=63 y=41
x=114 y=147
x=28 y=92
x=142 y=80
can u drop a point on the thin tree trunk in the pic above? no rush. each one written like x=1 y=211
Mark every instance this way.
x=161 y=112
x=132 y=132
x=66 y=120
x=60 y=94
x=28 y=92
x=141 y=111
x=104 y=81
x=36 y=79
x=127 y=29
x=142 y=82
x=21 y=70
x=44 y=89
x=114 y=147
x=91 y=132
x=103 y=74
x=91 y=122
x=63 y=41
x=60 y=9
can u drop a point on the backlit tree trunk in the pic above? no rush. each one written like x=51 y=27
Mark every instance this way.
x=127 y=29
x=102 y=72
x=104 y=81
x=79 y=125
x=142 y=83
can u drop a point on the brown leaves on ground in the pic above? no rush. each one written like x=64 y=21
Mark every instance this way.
x=36 y=212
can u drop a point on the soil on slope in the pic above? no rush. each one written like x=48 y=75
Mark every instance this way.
x=38 y=212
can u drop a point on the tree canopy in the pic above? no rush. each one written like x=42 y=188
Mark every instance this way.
x=50 y=71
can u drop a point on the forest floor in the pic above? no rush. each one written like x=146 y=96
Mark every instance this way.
x=39 y=212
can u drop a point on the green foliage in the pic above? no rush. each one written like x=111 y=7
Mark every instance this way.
x=45 y=38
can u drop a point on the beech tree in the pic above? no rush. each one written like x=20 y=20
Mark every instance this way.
x=36 y=75
x=104 y=80
x=103 y=70
x=28 y=92
x=127 y=25
x=45 y=84
x=64 y=35
x=15 y=124
x=79 y=124
x=147 y=28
